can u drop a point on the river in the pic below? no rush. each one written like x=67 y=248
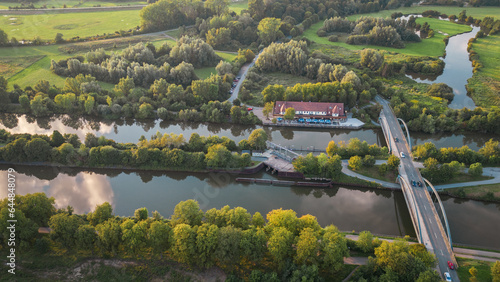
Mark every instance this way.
x=130 y=131
x=457 y=70
x=379 y=211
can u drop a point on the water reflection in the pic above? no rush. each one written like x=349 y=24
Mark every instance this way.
x=297 y=138
x=380 y=211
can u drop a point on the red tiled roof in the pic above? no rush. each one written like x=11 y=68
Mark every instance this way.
x=329 y=108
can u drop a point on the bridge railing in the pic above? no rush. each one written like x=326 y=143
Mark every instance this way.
x=282 y=152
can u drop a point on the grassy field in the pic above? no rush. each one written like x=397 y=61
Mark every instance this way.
x=203 y=73
x=485 y=84
x=433 y=47
x=483 y=269
x=476 y=192
x=372 y=172
x=70 y=25
x=479 y=12
x=71 y=3
x=11 y=65
x=238 y=6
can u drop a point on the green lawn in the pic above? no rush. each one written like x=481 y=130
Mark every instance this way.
x=479 y=12
x=433 y=47
x=9 y=66
x=70 y=25
x=72 y=3
x=483 y=268
x=485 y=84
x=476 y=192
x=372 y=172
x=203 y=73
x=238 y=6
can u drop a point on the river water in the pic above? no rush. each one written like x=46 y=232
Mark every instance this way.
x=130 y=131
x=379 y=211
x=457 y=70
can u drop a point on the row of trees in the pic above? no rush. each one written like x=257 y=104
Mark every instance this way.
x=369 y=30
x=441 y=173
x=224 y=237
x=488 y=154
x=431 y=120
x=162 y=151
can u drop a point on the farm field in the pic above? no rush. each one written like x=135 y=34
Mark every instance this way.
x=433 y=47
x=70 y=25
x=72 y=3
x=476 y=12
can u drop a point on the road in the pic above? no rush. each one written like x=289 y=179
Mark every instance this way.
x=242 y=74
x=418 y=199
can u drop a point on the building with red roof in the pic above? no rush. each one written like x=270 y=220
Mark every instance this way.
x=316 y=110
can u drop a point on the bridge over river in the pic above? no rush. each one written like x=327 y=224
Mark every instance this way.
x=426 y=220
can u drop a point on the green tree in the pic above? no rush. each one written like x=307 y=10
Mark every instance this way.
x=124 y=86
x=109 y=235
x=159 y=234
x=38 y=150
x=218 y=156
x=141 y=214
x=187 y=212
x=59 y=38
x=419 y=251
x=495 y=271
x=134 y=235
x=56 y=139
x=307 y=247
x=37 y=207
x=228 y=249
x=473 y=271
x=429 y=276
x=101 y=214
x=268 y=109
x=371 y=59
x=207 y=240
x=393 y=162
x=269 y=30
x=365 y=241
x=476 y=169
x=4 y=38
x=333 y=250
x=218 y=7
x=257 y=139
x=24 y=100
x=355 y=162
x=86 y=237
x=282 y=218
x=89 y=105
x=289 y=114
x=184 y=244
x=369 y=161
x=280 y=246
x=145 y=111
x=258 y=220
x=253 y=244
x=63 y=229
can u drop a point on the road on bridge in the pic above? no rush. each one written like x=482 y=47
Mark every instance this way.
x=433 y=234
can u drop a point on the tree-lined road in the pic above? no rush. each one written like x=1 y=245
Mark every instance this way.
x=425 y=216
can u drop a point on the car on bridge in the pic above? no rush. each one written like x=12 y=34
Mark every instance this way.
x=413 y=183
x=447 y=276
x=402 y=155
x=419 y=184
x=396 y=139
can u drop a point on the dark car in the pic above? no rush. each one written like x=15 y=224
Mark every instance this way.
x=396 y=139
x=419 y=184
x=414 y=183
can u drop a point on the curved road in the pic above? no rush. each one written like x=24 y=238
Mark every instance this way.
x=242 y=74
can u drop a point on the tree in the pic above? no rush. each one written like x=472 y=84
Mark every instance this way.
x=253 y=244
x=227 y=251
x=282 y=218
x=355 y=162
x=59 y=38
x=4 y=38
x=187 y=212
x=38 y=150
x=223 y=68
x=429 y=276
x=258 y=220
x=218 y=7
x=333 y=167
x=257 y=139
x=495 y=271
x=101 y=214
x=145 y=111
x=134 y=235
x=393 y=162
x=86 y=237
x=369 y=161
x=280 y=246
x=63 y=229
x=307 y=247
x=268 y=109
x=333 y=249
x=56 y=139
x=141 y=214
x=159 y=234
x=269 y=30
x=124 y=86
x=473 y=271
x=207 y=240
x=37 y=207
x=184 y=244
x=351 y=78
x=371 y=59
x=289 y=114
x=109 y=235
x=218 y=156
x=476 y=169
x=365 y=241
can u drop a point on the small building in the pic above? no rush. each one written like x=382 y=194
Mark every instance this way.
x=311 y=110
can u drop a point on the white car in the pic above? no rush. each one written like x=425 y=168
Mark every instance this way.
x=402 y=155
x=447 y=276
